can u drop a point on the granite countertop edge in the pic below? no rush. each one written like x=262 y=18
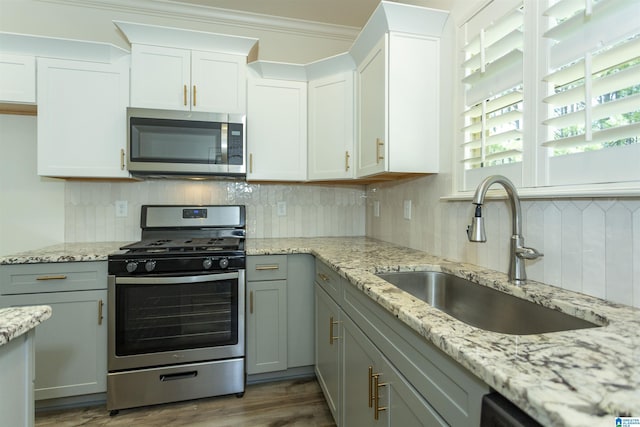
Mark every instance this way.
x=16 y=321
x=570 y=378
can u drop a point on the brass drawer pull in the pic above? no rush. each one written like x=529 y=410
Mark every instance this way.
x=52 y=277
x=376 y=396
x=194 y=95
x=331 y=337
x=267 y=267
x=100 y=307
x=185 y=95
x=323 y=277
x=251 y=302
x=346 y=161
x=370 y=386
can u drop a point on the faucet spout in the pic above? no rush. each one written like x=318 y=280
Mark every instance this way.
x=476 y=233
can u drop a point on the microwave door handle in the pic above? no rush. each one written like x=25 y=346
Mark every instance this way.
x=224 y=144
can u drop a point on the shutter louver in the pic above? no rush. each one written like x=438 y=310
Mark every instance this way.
x=493 y=75
x=595 y=75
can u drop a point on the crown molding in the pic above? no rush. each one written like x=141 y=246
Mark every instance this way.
x=197 y=13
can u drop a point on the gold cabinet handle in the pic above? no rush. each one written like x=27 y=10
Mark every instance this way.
x=100 y=307
x=267 y=267
x=185 y=95
x=370 y=377
x=346 y=161
x=194 y=95
x=379 y=144
x=323 y=277
x=52 y=277
x=251 y=302
x=376 y=396
x=122 y=159
x=250 y=162
x=331 y=324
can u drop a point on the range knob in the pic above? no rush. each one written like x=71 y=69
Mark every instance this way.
x=150 y=265
x=131 y=266
x=207 y=263
x=223 y=263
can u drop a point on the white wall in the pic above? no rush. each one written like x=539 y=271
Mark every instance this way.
x=70 y=19
x=31 y=208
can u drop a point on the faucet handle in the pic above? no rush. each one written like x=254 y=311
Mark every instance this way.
x=528 y=253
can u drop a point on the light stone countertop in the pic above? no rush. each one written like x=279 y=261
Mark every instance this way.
x=64 y=252
x=15 y=321
x=573 y=378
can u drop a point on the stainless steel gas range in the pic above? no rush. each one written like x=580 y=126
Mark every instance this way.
x=176 y=308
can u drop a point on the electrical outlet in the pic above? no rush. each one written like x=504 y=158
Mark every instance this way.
x=122 y=208
x=282 y=208
x=376 y=208
x=407 y=209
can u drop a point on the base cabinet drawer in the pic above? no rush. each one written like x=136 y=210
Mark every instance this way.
x=52 y=277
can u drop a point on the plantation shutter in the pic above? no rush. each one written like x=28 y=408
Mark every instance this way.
x=593 y=114
x=493 y=77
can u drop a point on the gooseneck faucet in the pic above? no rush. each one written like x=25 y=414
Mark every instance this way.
x=476 y=233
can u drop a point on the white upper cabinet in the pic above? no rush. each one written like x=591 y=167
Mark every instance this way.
x=81 y=118
x=17 y=79
x=177 y=69
x=276 y=129
x=182 y=79
x=331 y=119
x=398 y=63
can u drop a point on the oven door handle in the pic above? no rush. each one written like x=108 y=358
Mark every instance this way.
x=176 y=280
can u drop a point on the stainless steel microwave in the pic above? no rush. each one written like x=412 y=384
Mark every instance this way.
x=183 y=143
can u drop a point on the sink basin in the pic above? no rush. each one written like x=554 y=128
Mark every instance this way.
x=483 y=307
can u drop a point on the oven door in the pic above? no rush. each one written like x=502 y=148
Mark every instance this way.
x=164 y=320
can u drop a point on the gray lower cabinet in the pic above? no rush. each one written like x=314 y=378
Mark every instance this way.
x=328 y=349
x=70 y=347
x=374 y=370
x=16 y=365
x=279 y=322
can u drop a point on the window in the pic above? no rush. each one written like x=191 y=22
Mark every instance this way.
x=593 y=106
x=493 y=95
x=551 y=93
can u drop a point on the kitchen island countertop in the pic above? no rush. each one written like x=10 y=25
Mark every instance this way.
x=570 y=378
x=15 y=321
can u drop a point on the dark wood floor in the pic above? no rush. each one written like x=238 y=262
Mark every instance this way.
x=278 y=404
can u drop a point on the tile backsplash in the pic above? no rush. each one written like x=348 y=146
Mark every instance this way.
x=311 y=211
x=590 y=245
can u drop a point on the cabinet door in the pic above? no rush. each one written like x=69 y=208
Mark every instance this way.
x=160 y=77
x=71 y=346
x=300 y=319
x=277 y=130
x=361 y=361
x=331 y=127
x=372 y=112
x=375 y=394
x=82 y=118
x=218 y=82
x=267 y=326
x=405 y=406
x=18 y=82
x=328 y=350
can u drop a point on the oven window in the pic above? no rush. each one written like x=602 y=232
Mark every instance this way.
x=156 y=318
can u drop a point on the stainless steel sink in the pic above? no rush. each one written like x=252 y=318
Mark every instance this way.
x=483 y=307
